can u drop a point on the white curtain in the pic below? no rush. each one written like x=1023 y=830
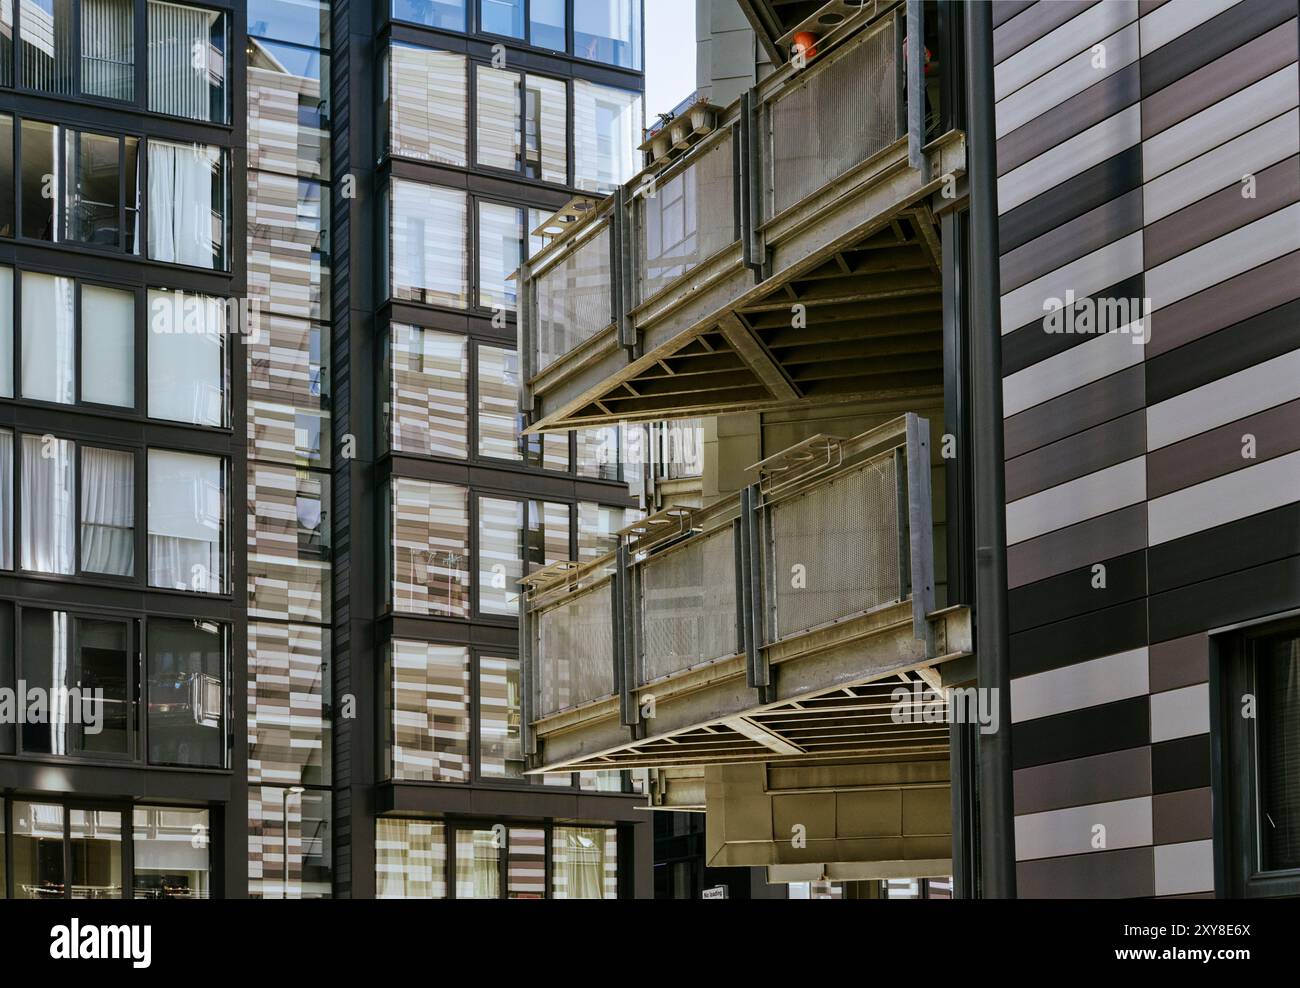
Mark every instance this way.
x=478 y=865
x=107 y=346
x=6 y=330
x=6 y=500
x=176 y=85
x=182 y=227
x=49 y=359
x=186 y=521
x=579 y=862
x=49 y=505
x=107 y=511
x=186 y=358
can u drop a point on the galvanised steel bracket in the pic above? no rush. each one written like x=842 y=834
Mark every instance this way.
x=916 y=89
x=624 y=639
x=749 y=583
x=920 y=527
x=749 y=182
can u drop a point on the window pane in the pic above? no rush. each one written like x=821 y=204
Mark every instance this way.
x=502 y=17
x=96 y=853
x=430 y=545
x=187 y=61
x=547 y=18
x=103 y=664
x=607 y=130
x=288 y=108
x=600 y=453
x=608 y=31
x=500 y=526
x=6 y=332
x=500 y=244
x=303 y=22
x=288 y=543
x=428 y=105
x=410 y=859
x=47 y=45
x=598 y=528
x=430 y=712
x=446 y=14
x=527 y=864
x=187 y=204
x=186 y=358
x=478 y=864
x=107 y=511
x=49 y=356
x=38 y=191
x=288 y=390
x=584 y=863
x=187 y=517
x=108 y=48
x=6 y=502
x=1278 y=675
x=500 y=752
x=547 y=129
x=288 y=245
x=171 y=850
x=548 y=534
x=49 y=505
x=288 y=696
x=38 y=850
x=186 y=693
x=6 y=46
x=498 y=403
x=6 y=167
x=91 y=190
x=107 y=346
x=298 y=824
x=47 y=642
x=429 y=244
x=428 y=400
x=497 y=118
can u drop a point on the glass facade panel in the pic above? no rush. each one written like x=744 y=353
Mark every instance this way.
x=429 y=244
x=107 y=346
x=607 y=130
x=584 y=863
x=499 y=720
x=171 y=853
x=429 y=525
x=288 y=543
x=108 y=48
x=304 y=845
x=450 y=15
x=500 y=248
x=497 y=118
x=39 y=154
x=49 y=505
x=38 y=868
x=288 y=245
x=49 y=334
x=546 y=24
x=92 y=193
x=288 y=390
x=430 y=713
x=48 y=46
x=6 y=173
x=187 y=61
x=288 y=704
x=546 y=129
x=502 y=17
x=107 y=511
x=428 y=404
x=187 y=204
x=288 y=108
x=187 y=522
x=428 y=105
x=186 y=693
x=6 y=332
x=526 y=864
x=500 y=533
x=95 y=850
x=410 y=859
x=608 y=31
x=478 y=863
x=186 y=353
x=498 y=403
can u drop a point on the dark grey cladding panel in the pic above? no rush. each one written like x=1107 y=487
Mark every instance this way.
x=1124 y=874
x=1114 y=534
x=1084 y=781
x=1077 y=455
x=1088 y=636
x=1081 y=733
x=1073 y=116
x=1181 y=764
x=1032 y=24
x=1095 y=403
x=1226 y=549
x=1082 y=235
x=1030 y=343
x=1273 y=588
x=1178 y=663
x=1178 y=817
x=1004 y=10
x=1071 y=594
x=1206 y=42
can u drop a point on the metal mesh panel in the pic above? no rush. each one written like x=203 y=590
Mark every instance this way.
x=836 y=549
x=575 y=650
x=688 y=599
x=844 y=112
x=574 y=300
x=690 y=218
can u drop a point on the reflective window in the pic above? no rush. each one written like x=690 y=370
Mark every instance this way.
x=39 y=154
x=450 y=15
x=598 y=528
x=546 y=129
x=304 y=22
x=185 y=692
x=496 y=118
x=290 y=854
x=187 y=520
x=288 y=543
x=410 y=859
x=92 y=190
x=499 y=418
x=288 y=704
x=6 y=44
x=429 y=244
x=48 y=49
x=546 y=24
x=107 y=511
x=502 y=17
x=171 y=850
x=429 y=720
x=95 y=851
x=49 y=338
x=6 y=512
x=608 y=31
x=429 y=525
x=38 y=868
x=288 y=390
x=478 y=864
x=607 y=131
x=428 y=402
x=500 y=249
x=49 y=505
x=6 y=168
x=584 y=863
x=107 y=346
x=108 y=49
x=288 y=244
x=288 y=108
x=526 y=864
x=428 y=112
x=187 y=204
x=186 y=353
x=499 y=719
x=500 y=552
x=187 y=61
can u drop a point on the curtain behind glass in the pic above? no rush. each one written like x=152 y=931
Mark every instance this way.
x=107 y=511
x=410 y=860
x=478 y=865
x=186 y=521
x=49 y=506
x=583 y=863
x=107 y=346
x=49 y=361
x=6 y=500
x=6 y=325
x=183 y=228
x=108 y=48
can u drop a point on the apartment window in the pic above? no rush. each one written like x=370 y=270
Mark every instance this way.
x=288 y=108
x=171 y=853
x=288 y=543
x=49 y=505
x=429 y=527
x=546 y=24
x=107 y=511
x=499 y=418
x=107 y=330
x=427 y=105
x=293 y=825
x=598 y=528
x=187 y=361
x=500 y=552
x=6 y=332
x=428 y=403
x=584 y=863
x=289 y=717
x=607 y=130
x=500 y=248
x=95 y=852
x=304 y=22
x=6 y=50
x=1259 y=772
x=608 y=31
x=93 y=189
x=410 y=859
x=288 y=244
x=288 y=390
x=108 y=49
x=6 y=174
x=187 y=61
x=478 y=864
x=449 y=15
x=496 y=118
x=187 y=204
x=40 y=152
x=49 y=338
x=187 y=521
x=546 y=129
x=48 y=47
x=186 y=693
x=38 y=858
x=429 y=720
x=505 y=17
x=6 y=504
x=429 y=244
x=499 y=719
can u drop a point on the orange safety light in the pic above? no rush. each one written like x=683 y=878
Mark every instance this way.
x=807 y=41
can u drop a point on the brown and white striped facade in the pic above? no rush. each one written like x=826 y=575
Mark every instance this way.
x=1146 y=149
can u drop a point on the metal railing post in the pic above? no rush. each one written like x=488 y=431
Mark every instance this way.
x=920 y=525
x=524 y=329
x=916 y=87
x=527 y=679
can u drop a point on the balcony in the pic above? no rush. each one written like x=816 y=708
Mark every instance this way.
x=772 y=626
x=780 y=251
